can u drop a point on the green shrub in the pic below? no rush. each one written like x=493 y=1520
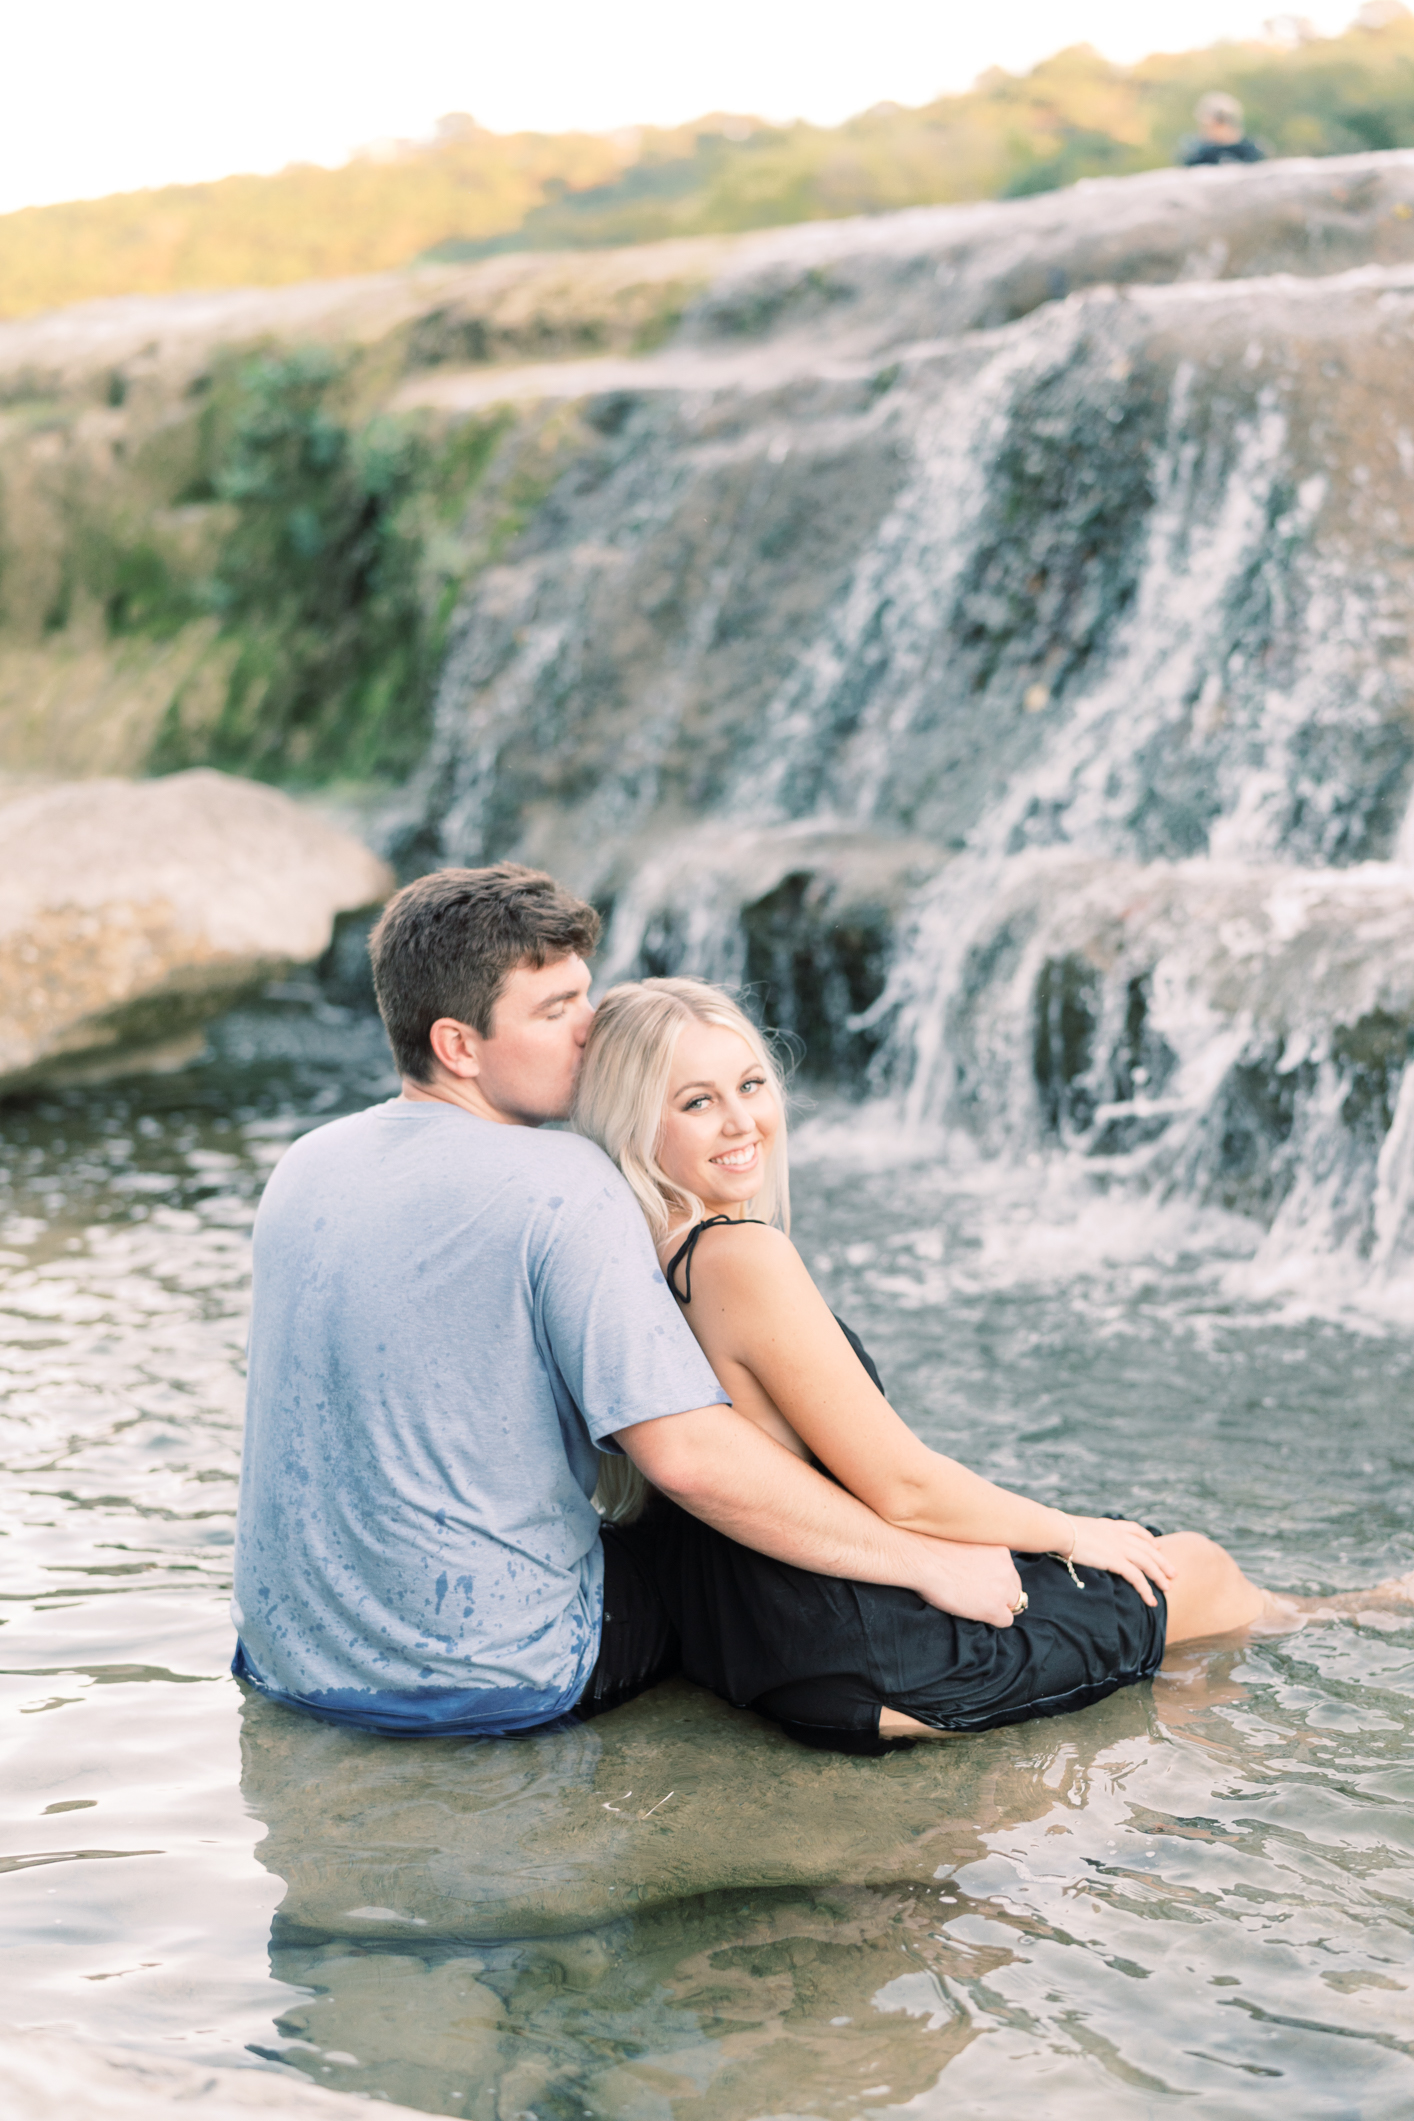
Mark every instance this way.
x=325 y=583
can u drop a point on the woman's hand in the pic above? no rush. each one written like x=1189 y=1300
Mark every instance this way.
x=1125 y=1549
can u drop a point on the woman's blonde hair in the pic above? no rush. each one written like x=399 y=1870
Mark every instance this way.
x=623 y=1089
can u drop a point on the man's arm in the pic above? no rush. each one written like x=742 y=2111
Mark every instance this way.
x=722 y=1468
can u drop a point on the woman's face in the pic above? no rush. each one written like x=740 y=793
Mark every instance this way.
x=720 y=1120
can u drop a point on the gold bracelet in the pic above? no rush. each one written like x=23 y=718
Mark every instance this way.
x=1067 y=1561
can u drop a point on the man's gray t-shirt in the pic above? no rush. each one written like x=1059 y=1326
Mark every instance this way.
x=449 y=1317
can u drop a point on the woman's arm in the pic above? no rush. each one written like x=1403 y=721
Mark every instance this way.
x=718 y=1465
x=755 y=1306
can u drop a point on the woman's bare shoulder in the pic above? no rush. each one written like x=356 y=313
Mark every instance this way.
x=731 y=1254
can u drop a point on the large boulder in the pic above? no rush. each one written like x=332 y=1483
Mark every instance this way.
x=132 y=912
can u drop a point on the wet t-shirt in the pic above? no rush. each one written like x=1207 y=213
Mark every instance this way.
x=449 y=1317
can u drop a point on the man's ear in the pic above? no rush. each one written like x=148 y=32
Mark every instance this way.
x=457 y=1047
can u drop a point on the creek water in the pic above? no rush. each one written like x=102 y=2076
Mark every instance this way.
x=1199 y=1890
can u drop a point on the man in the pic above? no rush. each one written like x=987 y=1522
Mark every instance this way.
x=1220 y=135
x=453 y=1313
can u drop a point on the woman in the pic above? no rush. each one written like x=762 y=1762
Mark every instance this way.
x=680 y=1089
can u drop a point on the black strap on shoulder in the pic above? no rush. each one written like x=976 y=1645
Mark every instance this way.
x=683 y=1258
x=683 y=1255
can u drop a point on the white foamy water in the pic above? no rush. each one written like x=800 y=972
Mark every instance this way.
x=1201 y=1889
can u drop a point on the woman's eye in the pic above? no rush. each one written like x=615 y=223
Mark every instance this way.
x=752 y=1084
x=695 y=1104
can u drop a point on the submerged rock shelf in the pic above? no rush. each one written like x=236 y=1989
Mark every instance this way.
x=552 y=1835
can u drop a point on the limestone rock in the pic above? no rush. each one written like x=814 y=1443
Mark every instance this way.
x=132 y=912
x=937 y=270
x=1130 y=573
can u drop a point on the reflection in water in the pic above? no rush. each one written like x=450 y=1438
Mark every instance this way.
x=1202 y=1889
x=775 y=1937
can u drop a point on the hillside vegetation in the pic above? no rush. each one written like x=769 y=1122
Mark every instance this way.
x=469 y=192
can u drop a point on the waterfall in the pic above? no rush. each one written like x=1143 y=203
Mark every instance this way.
x=1232 y=1033
x=1020 y=709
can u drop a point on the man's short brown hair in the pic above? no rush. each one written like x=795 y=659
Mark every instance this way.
x=446 y=945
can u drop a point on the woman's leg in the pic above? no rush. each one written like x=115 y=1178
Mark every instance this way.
x=1210 y=1597
x=894 y=1724
x=1209 y=1594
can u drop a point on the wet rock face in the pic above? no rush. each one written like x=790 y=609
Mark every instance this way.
x=131 y=913
x=1129 y=574
x=961 y=551
x=815 y=970
x=1239 y=1035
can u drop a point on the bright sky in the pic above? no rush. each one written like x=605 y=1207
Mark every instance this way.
x=110 y=95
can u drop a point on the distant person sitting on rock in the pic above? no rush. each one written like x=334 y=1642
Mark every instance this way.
x=681 y=1090
x=454 y=1312
x=1221 y=137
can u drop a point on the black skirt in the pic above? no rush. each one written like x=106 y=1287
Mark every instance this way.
x=821 y=1656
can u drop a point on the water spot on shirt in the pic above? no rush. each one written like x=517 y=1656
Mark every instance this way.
x=441 y=1588
x=441 y=1519
x=657 y=1275
x=556 y=1200
x=319 y=1225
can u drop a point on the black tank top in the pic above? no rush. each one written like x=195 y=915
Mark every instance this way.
x=683 y=1258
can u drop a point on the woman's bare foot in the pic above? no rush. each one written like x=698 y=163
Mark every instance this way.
x=1210 y=1598
x=1378 y=1605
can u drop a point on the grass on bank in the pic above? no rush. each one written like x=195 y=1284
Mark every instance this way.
x=344 y=545
x=318 y=549
x=469 y=192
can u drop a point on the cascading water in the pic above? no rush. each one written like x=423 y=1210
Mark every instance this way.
x=812 y=658
x=1235 y=1035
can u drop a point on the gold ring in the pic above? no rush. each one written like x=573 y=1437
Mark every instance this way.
x=1021 y=1604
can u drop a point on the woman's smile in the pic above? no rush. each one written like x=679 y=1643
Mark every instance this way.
x=740 y=1159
